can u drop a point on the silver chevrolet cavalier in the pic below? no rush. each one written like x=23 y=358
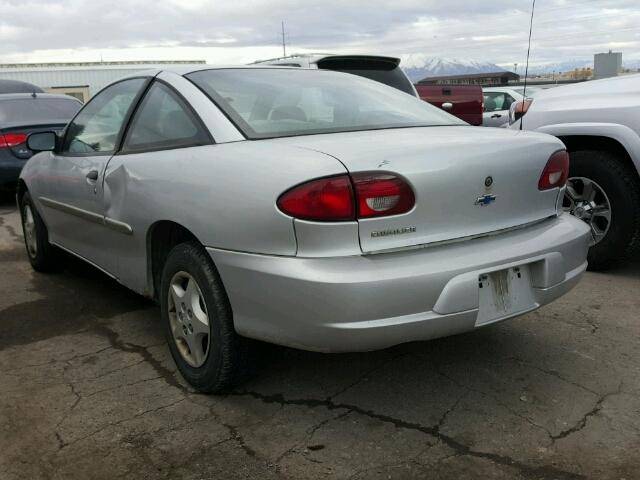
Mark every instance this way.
x=313 y=209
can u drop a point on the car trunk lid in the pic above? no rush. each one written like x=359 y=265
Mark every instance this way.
x=467 y=182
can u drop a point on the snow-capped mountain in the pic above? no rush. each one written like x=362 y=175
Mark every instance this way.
x=418 y=67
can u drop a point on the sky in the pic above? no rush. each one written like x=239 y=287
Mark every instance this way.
x=241 y=31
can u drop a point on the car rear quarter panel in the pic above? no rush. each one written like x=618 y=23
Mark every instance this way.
x=223 y=194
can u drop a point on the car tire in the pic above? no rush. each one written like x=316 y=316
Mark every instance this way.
x=43 y=256
x=621 y=185
x=226 y=356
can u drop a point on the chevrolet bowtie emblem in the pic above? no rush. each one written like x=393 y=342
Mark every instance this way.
x=485 y=200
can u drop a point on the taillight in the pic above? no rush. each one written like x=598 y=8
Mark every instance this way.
x=10 y=140
x=518 y=109
x=556 y=171
x=346 y=198
x=327 y=199
x=382 y=194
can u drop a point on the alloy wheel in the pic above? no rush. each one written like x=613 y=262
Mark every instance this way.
x=189 y=319
x=587 y=200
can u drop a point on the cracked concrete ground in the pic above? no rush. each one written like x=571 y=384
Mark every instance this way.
x=88 y=390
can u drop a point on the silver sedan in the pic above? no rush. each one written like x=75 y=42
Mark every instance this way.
x=313 y=209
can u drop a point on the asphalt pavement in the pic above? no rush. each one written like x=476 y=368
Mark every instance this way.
x=88 y=390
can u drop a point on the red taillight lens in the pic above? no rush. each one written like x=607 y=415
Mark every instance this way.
x=523 y=106
x=556 y=171
x=10 y=140
x=325 y=199
x=382 y=194
x=346 y=198
x=518 y=109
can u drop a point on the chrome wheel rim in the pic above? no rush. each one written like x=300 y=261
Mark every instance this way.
x=587 y=200
x=188 y=319
x=29 y=227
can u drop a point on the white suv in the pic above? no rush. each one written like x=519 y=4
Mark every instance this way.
x=599 y=122
x=381 y=69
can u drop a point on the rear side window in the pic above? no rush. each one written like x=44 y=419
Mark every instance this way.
x=164 y=121
x=29 y=110
x=495 y=102
x=379 y=70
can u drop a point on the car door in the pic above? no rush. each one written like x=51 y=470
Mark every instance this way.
x=156 y=145
x=496 y=109
x=73 y=206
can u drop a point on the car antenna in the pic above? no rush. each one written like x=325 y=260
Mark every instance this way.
x=526 y=69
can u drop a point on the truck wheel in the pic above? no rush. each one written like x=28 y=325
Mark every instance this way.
x=43 y=256
x=198 y=321
x=605 y=193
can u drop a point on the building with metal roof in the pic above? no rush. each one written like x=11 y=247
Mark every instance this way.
x=486 y=79
x=81 y=79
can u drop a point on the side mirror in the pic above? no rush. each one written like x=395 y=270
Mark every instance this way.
x=42 y=141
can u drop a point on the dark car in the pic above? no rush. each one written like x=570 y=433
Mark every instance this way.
x=16 y=86
x=22 y=114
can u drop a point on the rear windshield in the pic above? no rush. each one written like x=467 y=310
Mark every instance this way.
x=29 y=110
x=266 y=103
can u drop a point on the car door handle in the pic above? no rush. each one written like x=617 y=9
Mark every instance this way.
x=496 y=115
x=92 y=175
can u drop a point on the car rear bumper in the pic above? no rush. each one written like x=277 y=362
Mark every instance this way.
x=368 y=302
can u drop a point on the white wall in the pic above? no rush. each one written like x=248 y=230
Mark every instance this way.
x=93 y=77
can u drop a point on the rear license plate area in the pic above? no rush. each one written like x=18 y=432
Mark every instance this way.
x=504 y=293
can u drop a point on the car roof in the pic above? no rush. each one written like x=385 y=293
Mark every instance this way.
x=502 y=89
x=17 y=96
x=180 y=70
x=294 y=57
x=496 y=89
x=312 y=58
x=184 y=70
x=17 y=86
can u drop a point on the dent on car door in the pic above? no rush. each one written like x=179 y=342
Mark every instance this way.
x=74 y=204
x=162 y=127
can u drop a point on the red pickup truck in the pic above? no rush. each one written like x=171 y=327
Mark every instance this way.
x=463 y=101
